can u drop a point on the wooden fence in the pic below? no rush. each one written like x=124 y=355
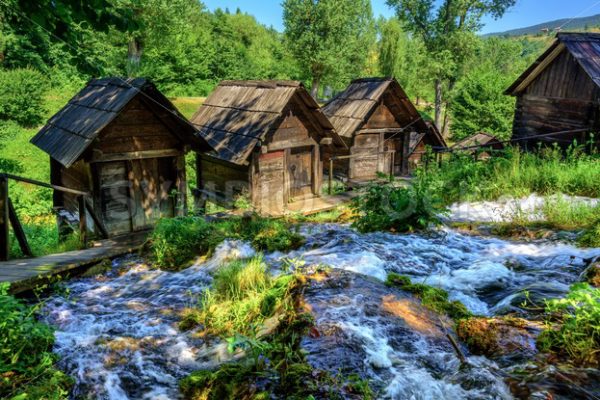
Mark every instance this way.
x=8 y=215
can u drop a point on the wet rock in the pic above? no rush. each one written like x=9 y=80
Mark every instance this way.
x=591 y=274
x=496 y=337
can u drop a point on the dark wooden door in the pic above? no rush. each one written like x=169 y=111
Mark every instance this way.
x=115 y=200
x=300 y=172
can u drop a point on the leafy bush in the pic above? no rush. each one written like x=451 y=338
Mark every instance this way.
x=577 y=332
x=591 y=236
x=42 y=236
x=435 y=299
x=8 y=131
x=391 y=206
x=243 y=295
x=21 y=96
x=175 y=241
x=26 y=360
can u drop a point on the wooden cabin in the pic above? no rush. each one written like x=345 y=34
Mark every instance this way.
x=124 y=143
x=560 y=92
x=482 y=145
x=382 y=129
x=268 y=138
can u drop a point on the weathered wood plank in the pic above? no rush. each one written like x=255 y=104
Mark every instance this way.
x=4 y=220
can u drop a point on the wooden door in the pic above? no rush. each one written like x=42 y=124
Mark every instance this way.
x=115 y=200
x=153 y=181
x=300 y=172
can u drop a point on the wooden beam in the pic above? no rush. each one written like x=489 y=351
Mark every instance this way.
x=18 y=230
x=99 y=224
x=4 y=220
x=135 y=155
x=82 y=220
x=43 y=184
x=405 y=152
x=181 y=184
x=379 y=130
x=290 y=143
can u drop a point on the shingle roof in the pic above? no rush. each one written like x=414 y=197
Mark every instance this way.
x=239 y=114
x=353 y=107
x=70 y=131
x=478 y=139
x=584 y=47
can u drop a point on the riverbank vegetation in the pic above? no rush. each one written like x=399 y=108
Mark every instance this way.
x=175 y=242
x=27 y=364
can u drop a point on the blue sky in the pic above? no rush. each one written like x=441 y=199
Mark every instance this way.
x=525 y=13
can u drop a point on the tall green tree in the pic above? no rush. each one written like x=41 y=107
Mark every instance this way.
x=330 y=39
x=448 y=30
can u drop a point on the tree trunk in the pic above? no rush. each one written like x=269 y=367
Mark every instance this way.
x=446 y=127
x=314 y=91
x=438 y=104
x=134 y=56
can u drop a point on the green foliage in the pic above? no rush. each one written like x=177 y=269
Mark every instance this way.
x=591 y=236
x=479 y=104
x=42 y=236
x=26 y=360
x=8 y=131
x=175 y=241
x=435 y=299
x=514 y=173
x=392 y=206
x=329 y=38
x=577 y=329
x=21 y=96
x=243 y=295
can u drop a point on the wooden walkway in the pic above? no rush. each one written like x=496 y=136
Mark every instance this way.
x=25 y=274
x=314 y=205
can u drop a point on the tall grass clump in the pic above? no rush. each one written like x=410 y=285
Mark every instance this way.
x=517 y=173
x=26 y=360
x=573 y=325
x=43 y=239
x=396 y=207
x=242 y=297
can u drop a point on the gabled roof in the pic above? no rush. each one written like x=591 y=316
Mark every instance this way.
x=478 y=139
x=70 y=131
x=239 y=114
x=584 y=47
x=352 y=108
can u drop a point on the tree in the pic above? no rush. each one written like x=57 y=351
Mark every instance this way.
x=448 y=33
x=330 y=39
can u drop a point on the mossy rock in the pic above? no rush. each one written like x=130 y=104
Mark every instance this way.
x=101 y=268
x=592 y=274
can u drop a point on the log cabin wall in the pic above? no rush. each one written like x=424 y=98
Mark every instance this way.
x=559 y=92
x=221 y=181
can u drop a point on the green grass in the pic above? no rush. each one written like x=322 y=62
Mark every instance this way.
x=188 y=105
x=176 y=241
x=517 y=174
x=435 y=299
x=573 y=326
x=42 y=237
x=27 y=368
x=243 y=295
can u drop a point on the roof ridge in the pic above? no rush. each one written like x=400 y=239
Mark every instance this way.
x=266 y=83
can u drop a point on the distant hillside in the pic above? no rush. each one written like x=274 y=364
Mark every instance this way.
x=578 y=24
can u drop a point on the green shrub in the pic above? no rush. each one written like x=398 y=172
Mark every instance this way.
x=26 y=360
x=573 y=325
x=175 y=241
x=21 y=96
x=390 y=206
x=42 y=236
x=435 y=299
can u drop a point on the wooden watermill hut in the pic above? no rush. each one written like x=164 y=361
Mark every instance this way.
x=268 y=138
x=560 y=92
x=382 y=128
x=124 y=142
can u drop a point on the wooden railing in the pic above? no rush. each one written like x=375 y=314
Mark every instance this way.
x=8 y=215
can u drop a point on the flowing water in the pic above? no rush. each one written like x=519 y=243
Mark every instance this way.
x=117 y=335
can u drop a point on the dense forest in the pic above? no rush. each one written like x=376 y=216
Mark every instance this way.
x=49 y=49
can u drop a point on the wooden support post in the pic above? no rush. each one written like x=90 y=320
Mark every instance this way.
x=330 y=189
x=18 y=230
x=199 y=200
x=97 y=222
x=82 y=220
x=440 y=158
x=4 y=221
x=405 y=153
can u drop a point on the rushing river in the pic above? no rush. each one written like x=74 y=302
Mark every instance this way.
x=117 y=335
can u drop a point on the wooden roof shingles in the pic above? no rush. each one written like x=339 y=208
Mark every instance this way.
x=352 y=108
x=238 y=115
x=482 y=139
x=584 y=47
x=70 y=131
